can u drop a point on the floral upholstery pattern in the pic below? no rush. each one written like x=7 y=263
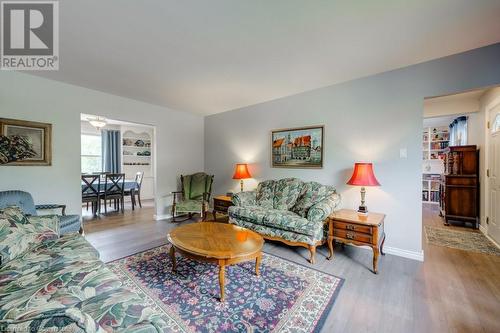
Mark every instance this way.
x=189 y=206
x=60 y=285
x=280 y=233
x=245 y=198
x=265 y=194
x=300 y=214
x=18 y=233
x=312 y=193
x=286 y=193
x=323 y=209
x=274 y=218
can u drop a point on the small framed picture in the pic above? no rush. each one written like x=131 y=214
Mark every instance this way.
x=297 y=147
x=29 y=135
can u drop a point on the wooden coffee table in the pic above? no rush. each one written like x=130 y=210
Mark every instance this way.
x=219 y=243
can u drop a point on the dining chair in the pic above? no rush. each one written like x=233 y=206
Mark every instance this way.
x=136 y=190
x=114 y=190
x=91 y=185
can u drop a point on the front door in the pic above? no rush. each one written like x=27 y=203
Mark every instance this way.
x=494 y=178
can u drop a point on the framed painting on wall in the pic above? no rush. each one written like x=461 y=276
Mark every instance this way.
x=297 y=147
x=26 y=142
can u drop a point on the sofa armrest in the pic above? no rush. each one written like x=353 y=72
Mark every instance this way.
x=320 y=211
x=52 y=206
x=245 y=198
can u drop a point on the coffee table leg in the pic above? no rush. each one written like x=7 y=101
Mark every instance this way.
x=172 y=256
x=257 y=264
x=222 y=269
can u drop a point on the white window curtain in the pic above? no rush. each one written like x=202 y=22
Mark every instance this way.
x=458 y=131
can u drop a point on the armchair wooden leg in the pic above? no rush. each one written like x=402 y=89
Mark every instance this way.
x=81 y=231
x=173 y=213
x=312 y=251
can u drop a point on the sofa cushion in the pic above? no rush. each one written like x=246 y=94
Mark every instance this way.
x=18 y=234
x=280 y=233
x=289 y=221
x=311 y=194
x=265 y=194
x=15 y=214
x=275 y=218
x=188 y=206
x=253 y=214
x=286 y=192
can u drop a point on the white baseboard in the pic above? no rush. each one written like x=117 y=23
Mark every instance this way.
x=415 y=255
x=485 y=233
x=162 y=217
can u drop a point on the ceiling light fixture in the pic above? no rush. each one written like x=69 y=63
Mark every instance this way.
x=98 y=122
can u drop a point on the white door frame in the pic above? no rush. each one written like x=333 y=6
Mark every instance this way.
x=493 y=104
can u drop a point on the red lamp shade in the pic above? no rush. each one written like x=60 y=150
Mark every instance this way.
x=241 y=171
x=363 y=175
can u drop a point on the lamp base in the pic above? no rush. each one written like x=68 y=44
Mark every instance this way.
x=363 y=210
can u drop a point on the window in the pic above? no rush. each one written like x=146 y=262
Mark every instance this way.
x=91 y=153
x=496 y=124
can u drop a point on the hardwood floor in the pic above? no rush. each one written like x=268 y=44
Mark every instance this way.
x=452 y=291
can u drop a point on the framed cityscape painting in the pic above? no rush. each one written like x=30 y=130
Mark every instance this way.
x=297 y=147
x=25 y=142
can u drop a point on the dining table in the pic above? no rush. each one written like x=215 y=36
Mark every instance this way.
x=127 y=185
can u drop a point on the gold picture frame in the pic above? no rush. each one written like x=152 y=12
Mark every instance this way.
x=300 y=147
x=39 y=134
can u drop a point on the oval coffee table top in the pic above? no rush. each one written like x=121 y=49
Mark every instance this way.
x=216 y=240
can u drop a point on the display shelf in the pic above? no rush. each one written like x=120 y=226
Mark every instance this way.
x=434 y=143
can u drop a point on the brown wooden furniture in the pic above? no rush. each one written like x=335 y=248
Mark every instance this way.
x=346 y=226
x=218 y=243
x=136 y=190
x=90 y=192
x=114 y=185
x=221 y=205
x=460 y=185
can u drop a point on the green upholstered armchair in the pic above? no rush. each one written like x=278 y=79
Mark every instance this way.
x=194 y=197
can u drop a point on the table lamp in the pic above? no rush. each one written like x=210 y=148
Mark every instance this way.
x=363 y=176
x=241 y=172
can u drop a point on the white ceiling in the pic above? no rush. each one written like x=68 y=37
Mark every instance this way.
x=212 y=56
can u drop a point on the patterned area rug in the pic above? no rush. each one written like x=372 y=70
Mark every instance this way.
x=462 y=240
x=287 y=297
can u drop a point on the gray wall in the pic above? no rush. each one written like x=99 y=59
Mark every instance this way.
x=368 y=119
x=179 y=137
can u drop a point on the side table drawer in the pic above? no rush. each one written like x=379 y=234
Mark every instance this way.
x=352 y=235
x=222 y=203
x=352 y=227
x=221 y=208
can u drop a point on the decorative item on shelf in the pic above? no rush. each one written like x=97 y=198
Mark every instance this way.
x=363 y=176
x=128 y=142
x=241 y=172
x=139 y=143
x=98 y=122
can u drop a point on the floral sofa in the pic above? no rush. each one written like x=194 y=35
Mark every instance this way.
x=58 y=284
x=288 y=210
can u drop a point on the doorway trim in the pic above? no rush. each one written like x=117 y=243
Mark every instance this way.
x=495 y=102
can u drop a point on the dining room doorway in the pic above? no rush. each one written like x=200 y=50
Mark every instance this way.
x=117 y=167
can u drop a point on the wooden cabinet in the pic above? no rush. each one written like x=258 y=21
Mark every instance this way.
x=346 y=226
x=221 y=205
x=460 y=185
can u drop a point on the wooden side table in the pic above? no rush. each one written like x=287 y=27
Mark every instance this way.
x=346 y=226
x=221 y=204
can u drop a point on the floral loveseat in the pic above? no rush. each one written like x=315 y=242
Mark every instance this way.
x=288 y=210
x=58 y=284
